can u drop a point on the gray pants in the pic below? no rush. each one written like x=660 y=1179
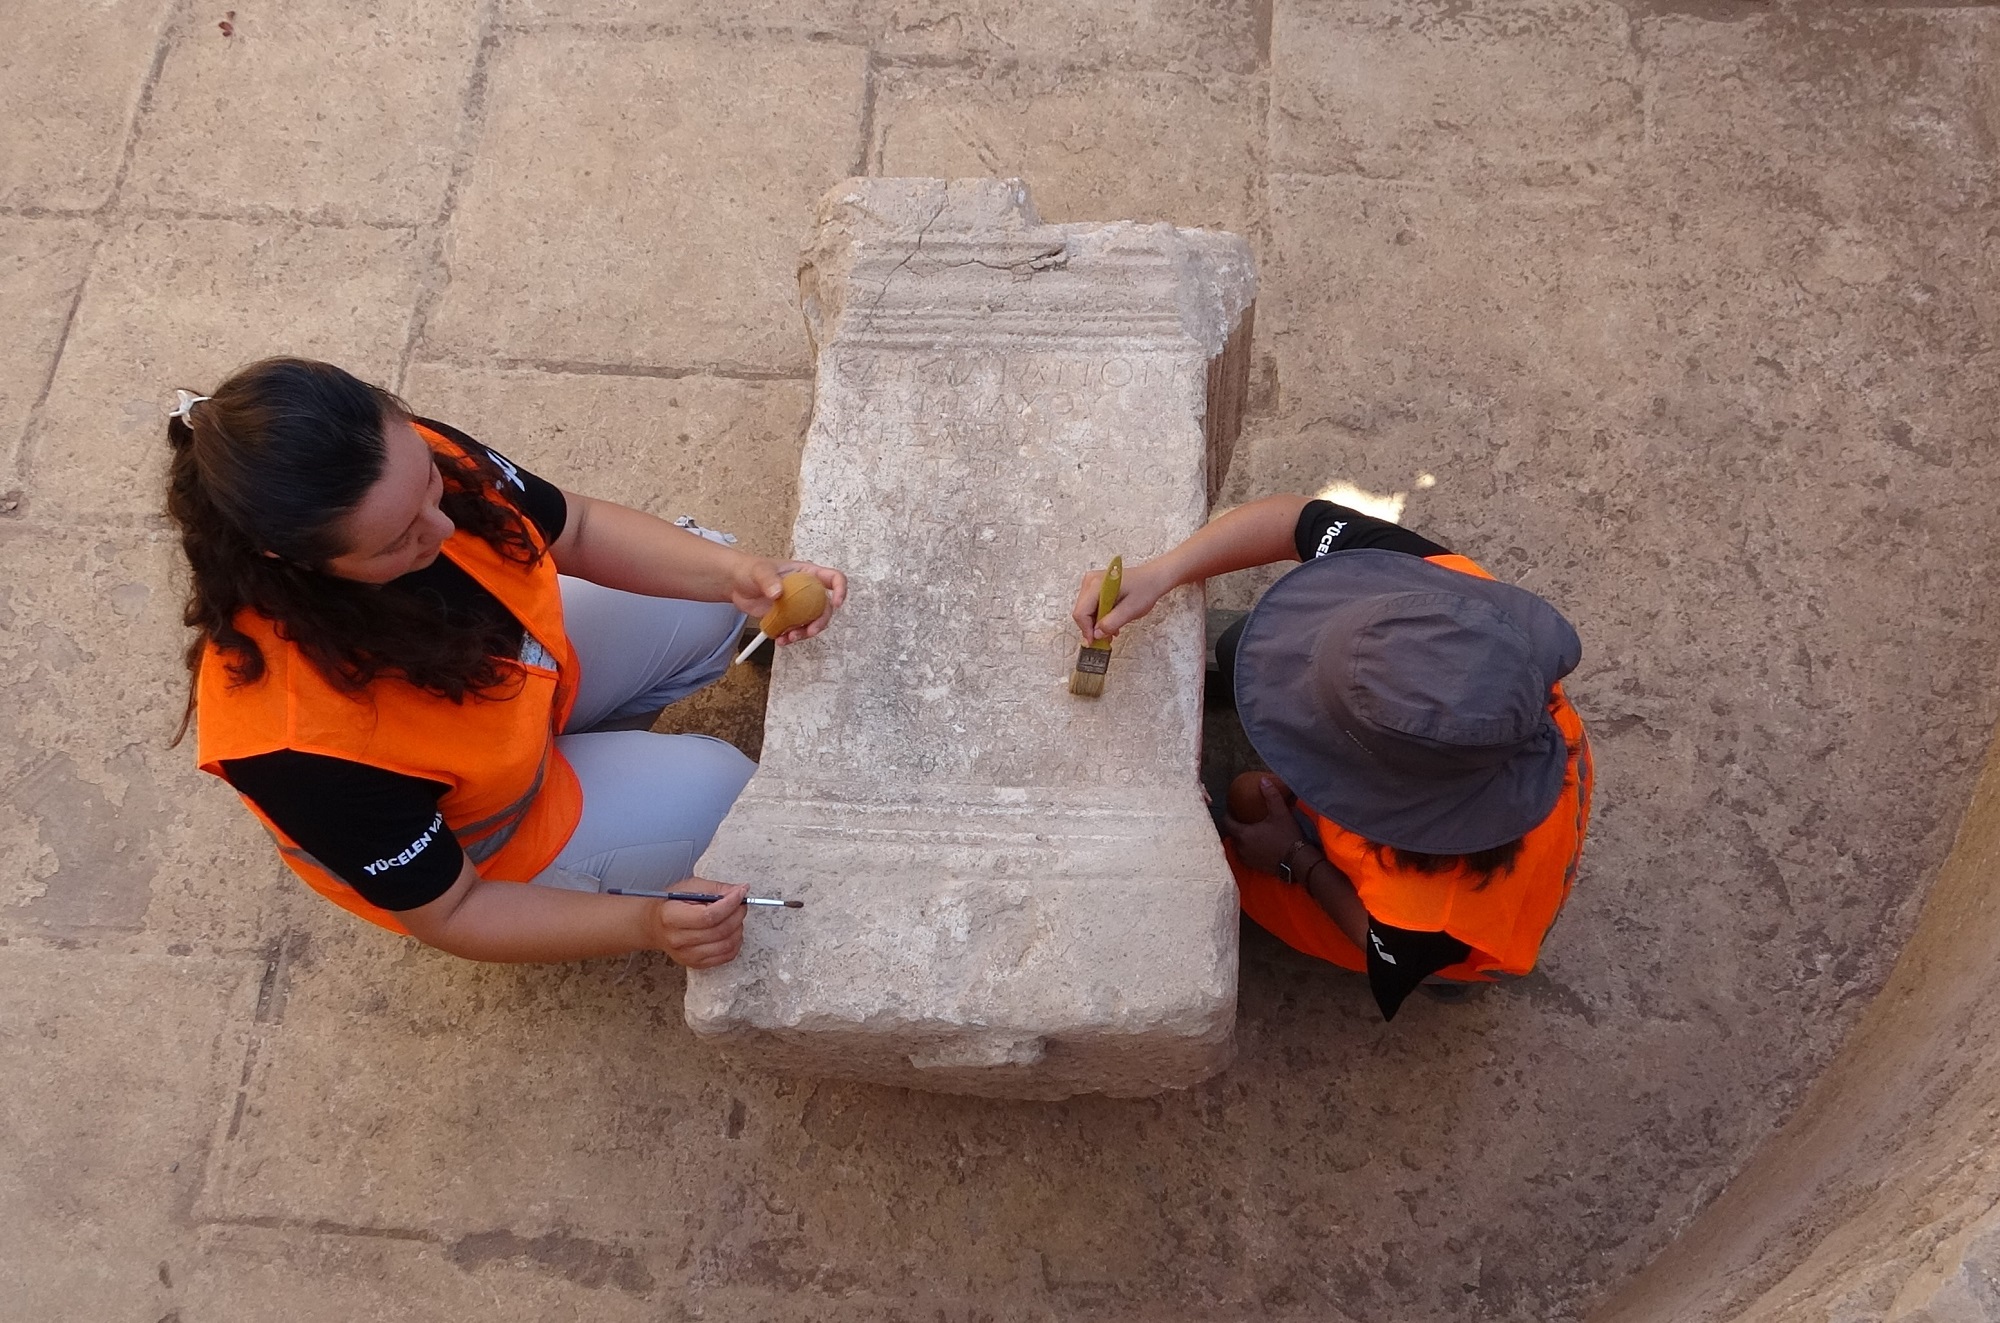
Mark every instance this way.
x=650 y=802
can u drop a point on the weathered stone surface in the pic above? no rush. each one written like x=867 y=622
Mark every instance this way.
x=42 y=262
x=252 y=1274
x=69 y=83
x=111 y=839
x=118 y=1074
x=1542 y=92
x=725 y=452
x=242 y=122
x=184 y=303
x=1182 y=149
x=653 y=222
x=1878 y=1199
x=1010 y=890
x=1228 y=36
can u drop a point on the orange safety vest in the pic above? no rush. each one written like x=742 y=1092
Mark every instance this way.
x=513 y=800
x=1503 y=921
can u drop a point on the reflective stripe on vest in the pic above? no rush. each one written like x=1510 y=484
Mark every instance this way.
x=483 y=839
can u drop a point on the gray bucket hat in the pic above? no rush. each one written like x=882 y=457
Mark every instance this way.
x=1406 y=701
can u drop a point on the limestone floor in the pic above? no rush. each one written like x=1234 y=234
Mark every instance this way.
x=1681 y=312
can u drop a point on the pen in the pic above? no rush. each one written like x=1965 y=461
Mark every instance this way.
x=704 y=897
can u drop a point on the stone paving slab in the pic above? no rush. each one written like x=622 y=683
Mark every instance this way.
x=119 y=1072
x=1861 y=112
x=42 y=264
x=250 y=1274
x=581 y=1078
x=725 y=452
x=1543 y=92
x=1218 y=36
x=1182 y=149
x=242 y=122
x=184 y=303
x=656 y=221
x=69 y=83
x=104 y=837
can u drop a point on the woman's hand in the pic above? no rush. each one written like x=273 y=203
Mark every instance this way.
x=757 y=582
x=754 y=585
x=700 y=936
x=1139 y=591
x=1264 y=845
x=836 y=596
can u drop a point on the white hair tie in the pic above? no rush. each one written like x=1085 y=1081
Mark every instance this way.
x=184 y=402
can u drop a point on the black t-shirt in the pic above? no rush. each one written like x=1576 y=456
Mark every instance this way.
x=380 y=831
x=1398 y=959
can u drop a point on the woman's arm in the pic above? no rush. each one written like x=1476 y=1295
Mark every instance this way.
x=1259 y=533
x=514 y=922
x=620 y=547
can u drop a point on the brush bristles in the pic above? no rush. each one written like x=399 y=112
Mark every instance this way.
x=1087 y=680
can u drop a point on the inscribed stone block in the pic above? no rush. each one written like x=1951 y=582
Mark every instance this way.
x=1148 y=146
x=1009 y=889
x=184 y=303
x=70 y=81
x=722 y=451
x=343 y=112
x=635 y=200
x=118 y=1072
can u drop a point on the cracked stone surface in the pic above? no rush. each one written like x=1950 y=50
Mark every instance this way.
x=1681 y=312
x=1010 y=890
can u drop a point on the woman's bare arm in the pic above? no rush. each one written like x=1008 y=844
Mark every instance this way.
x=620 y=547
x=517 y=923
x=1259 y=533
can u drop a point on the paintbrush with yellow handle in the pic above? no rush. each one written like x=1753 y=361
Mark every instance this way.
x=1093 y=659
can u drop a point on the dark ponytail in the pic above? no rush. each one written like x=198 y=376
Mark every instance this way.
x=1483 y=864
x=260 y=477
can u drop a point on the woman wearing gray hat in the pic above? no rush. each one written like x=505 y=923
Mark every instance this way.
x=1412 y=703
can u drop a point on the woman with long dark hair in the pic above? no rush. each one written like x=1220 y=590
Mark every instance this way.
x=402 y=644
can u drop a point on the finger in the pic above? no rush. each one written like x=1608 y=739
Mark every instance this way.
x=1084 y=611
x=686 y=916
x=837 y=586
x=703 y=959
x=1128 y=609
x=1274 y=798
x=690 y=916
x=702 y=954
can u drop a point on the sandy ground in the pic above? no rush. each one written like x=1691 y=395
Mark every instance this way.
x=1681 y=312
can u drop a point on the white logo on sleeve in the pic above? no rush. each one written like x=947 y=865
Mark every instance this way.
x=1333 y=531
x=506 y=467
x=410 y=851
x=1375 y=940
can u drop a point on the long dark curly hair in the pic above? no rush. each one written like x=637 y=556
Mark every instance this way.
x=259 y=481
